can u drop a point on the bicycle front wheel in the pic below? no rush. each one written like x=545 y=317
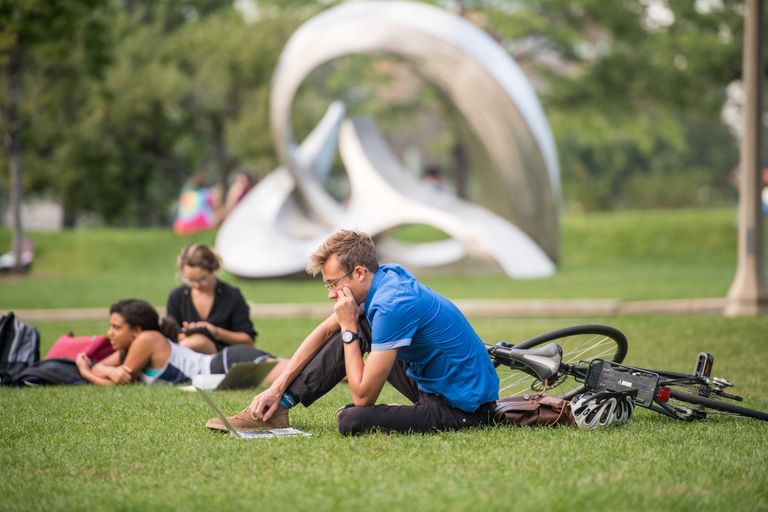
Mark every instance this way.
x=710 y=406
x=581 y=344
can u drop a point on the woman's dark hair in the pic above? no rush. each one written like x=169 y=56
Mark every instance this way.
x=140 y=313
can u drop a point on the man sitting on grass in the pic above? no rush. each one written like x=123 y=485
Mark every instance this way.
x=418 y=341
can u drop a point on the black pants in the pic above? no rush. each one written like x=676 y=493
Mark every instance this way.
x=239 y=353
x=428 y=413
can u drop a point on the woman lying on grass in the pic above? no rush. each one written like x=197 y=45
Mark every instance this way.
x=144 y=351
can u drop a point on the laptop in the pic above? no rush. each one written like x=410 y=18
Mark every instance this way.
x=275 y=432
x=239 y=376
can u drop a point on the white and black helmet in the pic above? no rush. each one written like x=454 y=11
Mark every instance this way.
x=593 y=411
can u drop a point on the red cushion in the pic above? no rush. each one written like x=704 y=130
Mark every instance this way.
x=67 y=347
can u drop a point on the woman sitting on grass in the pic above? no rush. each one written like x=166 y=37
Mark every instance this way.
x=211 y=313
x=144 y=351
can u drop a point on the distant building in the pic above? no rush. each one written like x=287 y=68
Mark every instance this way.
x=37 y=214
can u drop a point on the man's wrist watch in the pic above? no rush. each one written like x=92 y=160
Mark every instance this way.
x=349 y=336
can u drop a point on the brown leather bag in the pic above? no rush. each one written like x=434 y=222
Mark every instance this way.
x=533 y=410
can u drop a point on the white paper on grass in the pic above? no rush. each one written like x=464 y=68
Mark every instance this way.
x=275 y=432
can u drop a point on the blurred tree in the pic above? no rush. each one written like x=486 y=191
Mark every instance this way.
x=187 y=92
x=126 y=145
x=228 y=64
x=633 y=90
x=41 y=38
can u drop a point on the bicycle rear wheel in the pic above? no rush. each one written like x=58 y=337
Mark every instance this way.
x=710 y=406
x=581 y=344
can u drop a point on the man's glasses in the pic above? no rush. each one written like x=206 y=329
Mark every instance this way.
x=332 y=285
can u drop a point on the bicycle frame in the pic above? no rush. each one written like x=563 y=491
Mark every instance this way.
x=588 y=358
x=651 y=389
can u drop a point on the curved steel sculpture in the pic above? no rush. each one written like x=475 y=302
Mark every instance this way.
x=511 y=149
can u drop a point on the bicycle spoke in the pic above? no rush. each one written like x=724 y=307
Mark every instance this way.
x=518 y=379
x=577 y=353
x=517 y=386
x=519 y=382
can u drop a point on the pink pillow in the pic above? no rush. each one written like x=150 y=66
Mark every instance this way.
x=67 y=347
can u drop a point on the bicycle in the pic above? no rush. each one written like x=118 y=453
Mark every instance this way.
x=572 y=360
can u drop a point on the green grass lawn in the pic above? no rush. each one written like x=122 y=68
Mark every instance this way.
x=145 y=448
x=632 y=255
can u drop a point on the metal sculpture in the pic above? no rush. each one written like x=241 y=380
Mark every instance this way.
x=275 y=228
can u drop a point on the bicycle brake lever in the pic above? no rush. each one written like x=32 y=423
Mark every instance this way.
x=722 y=382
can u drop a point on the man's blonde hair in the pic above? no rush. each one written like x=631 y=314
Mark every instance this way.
x=353 y=248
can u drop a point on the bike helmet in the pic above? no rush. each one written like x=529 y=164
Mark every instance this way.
x=593 y=411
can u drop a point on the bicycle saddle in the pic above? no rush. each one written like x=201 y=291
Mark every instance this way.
x=543 y=361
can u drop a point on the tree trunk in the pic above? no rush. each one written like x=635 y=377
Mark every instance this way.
x=70 y=210
x=220 y=156
x=12 y=145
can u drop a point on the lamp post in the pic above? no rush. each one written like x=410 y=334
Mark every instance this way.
x=749 y=293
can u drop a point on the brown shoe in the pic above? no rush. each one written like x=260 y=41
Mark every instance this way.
x=245 y=422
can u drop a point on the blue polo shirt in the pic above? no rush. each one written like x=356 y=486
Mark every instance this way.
x=446 y=356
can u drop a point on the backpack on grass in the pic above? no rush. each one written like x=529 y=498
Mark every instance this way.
x=51 y=372
x=19 y=348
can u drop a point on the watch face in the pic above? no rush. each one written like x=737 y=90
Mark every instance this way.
x=347 y=336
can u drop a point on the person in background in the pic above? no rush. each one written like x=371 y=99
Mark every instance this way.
x=433 y=176
x=242 y=183
x=211 y=313
x=144 y=351
x=200 y=207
